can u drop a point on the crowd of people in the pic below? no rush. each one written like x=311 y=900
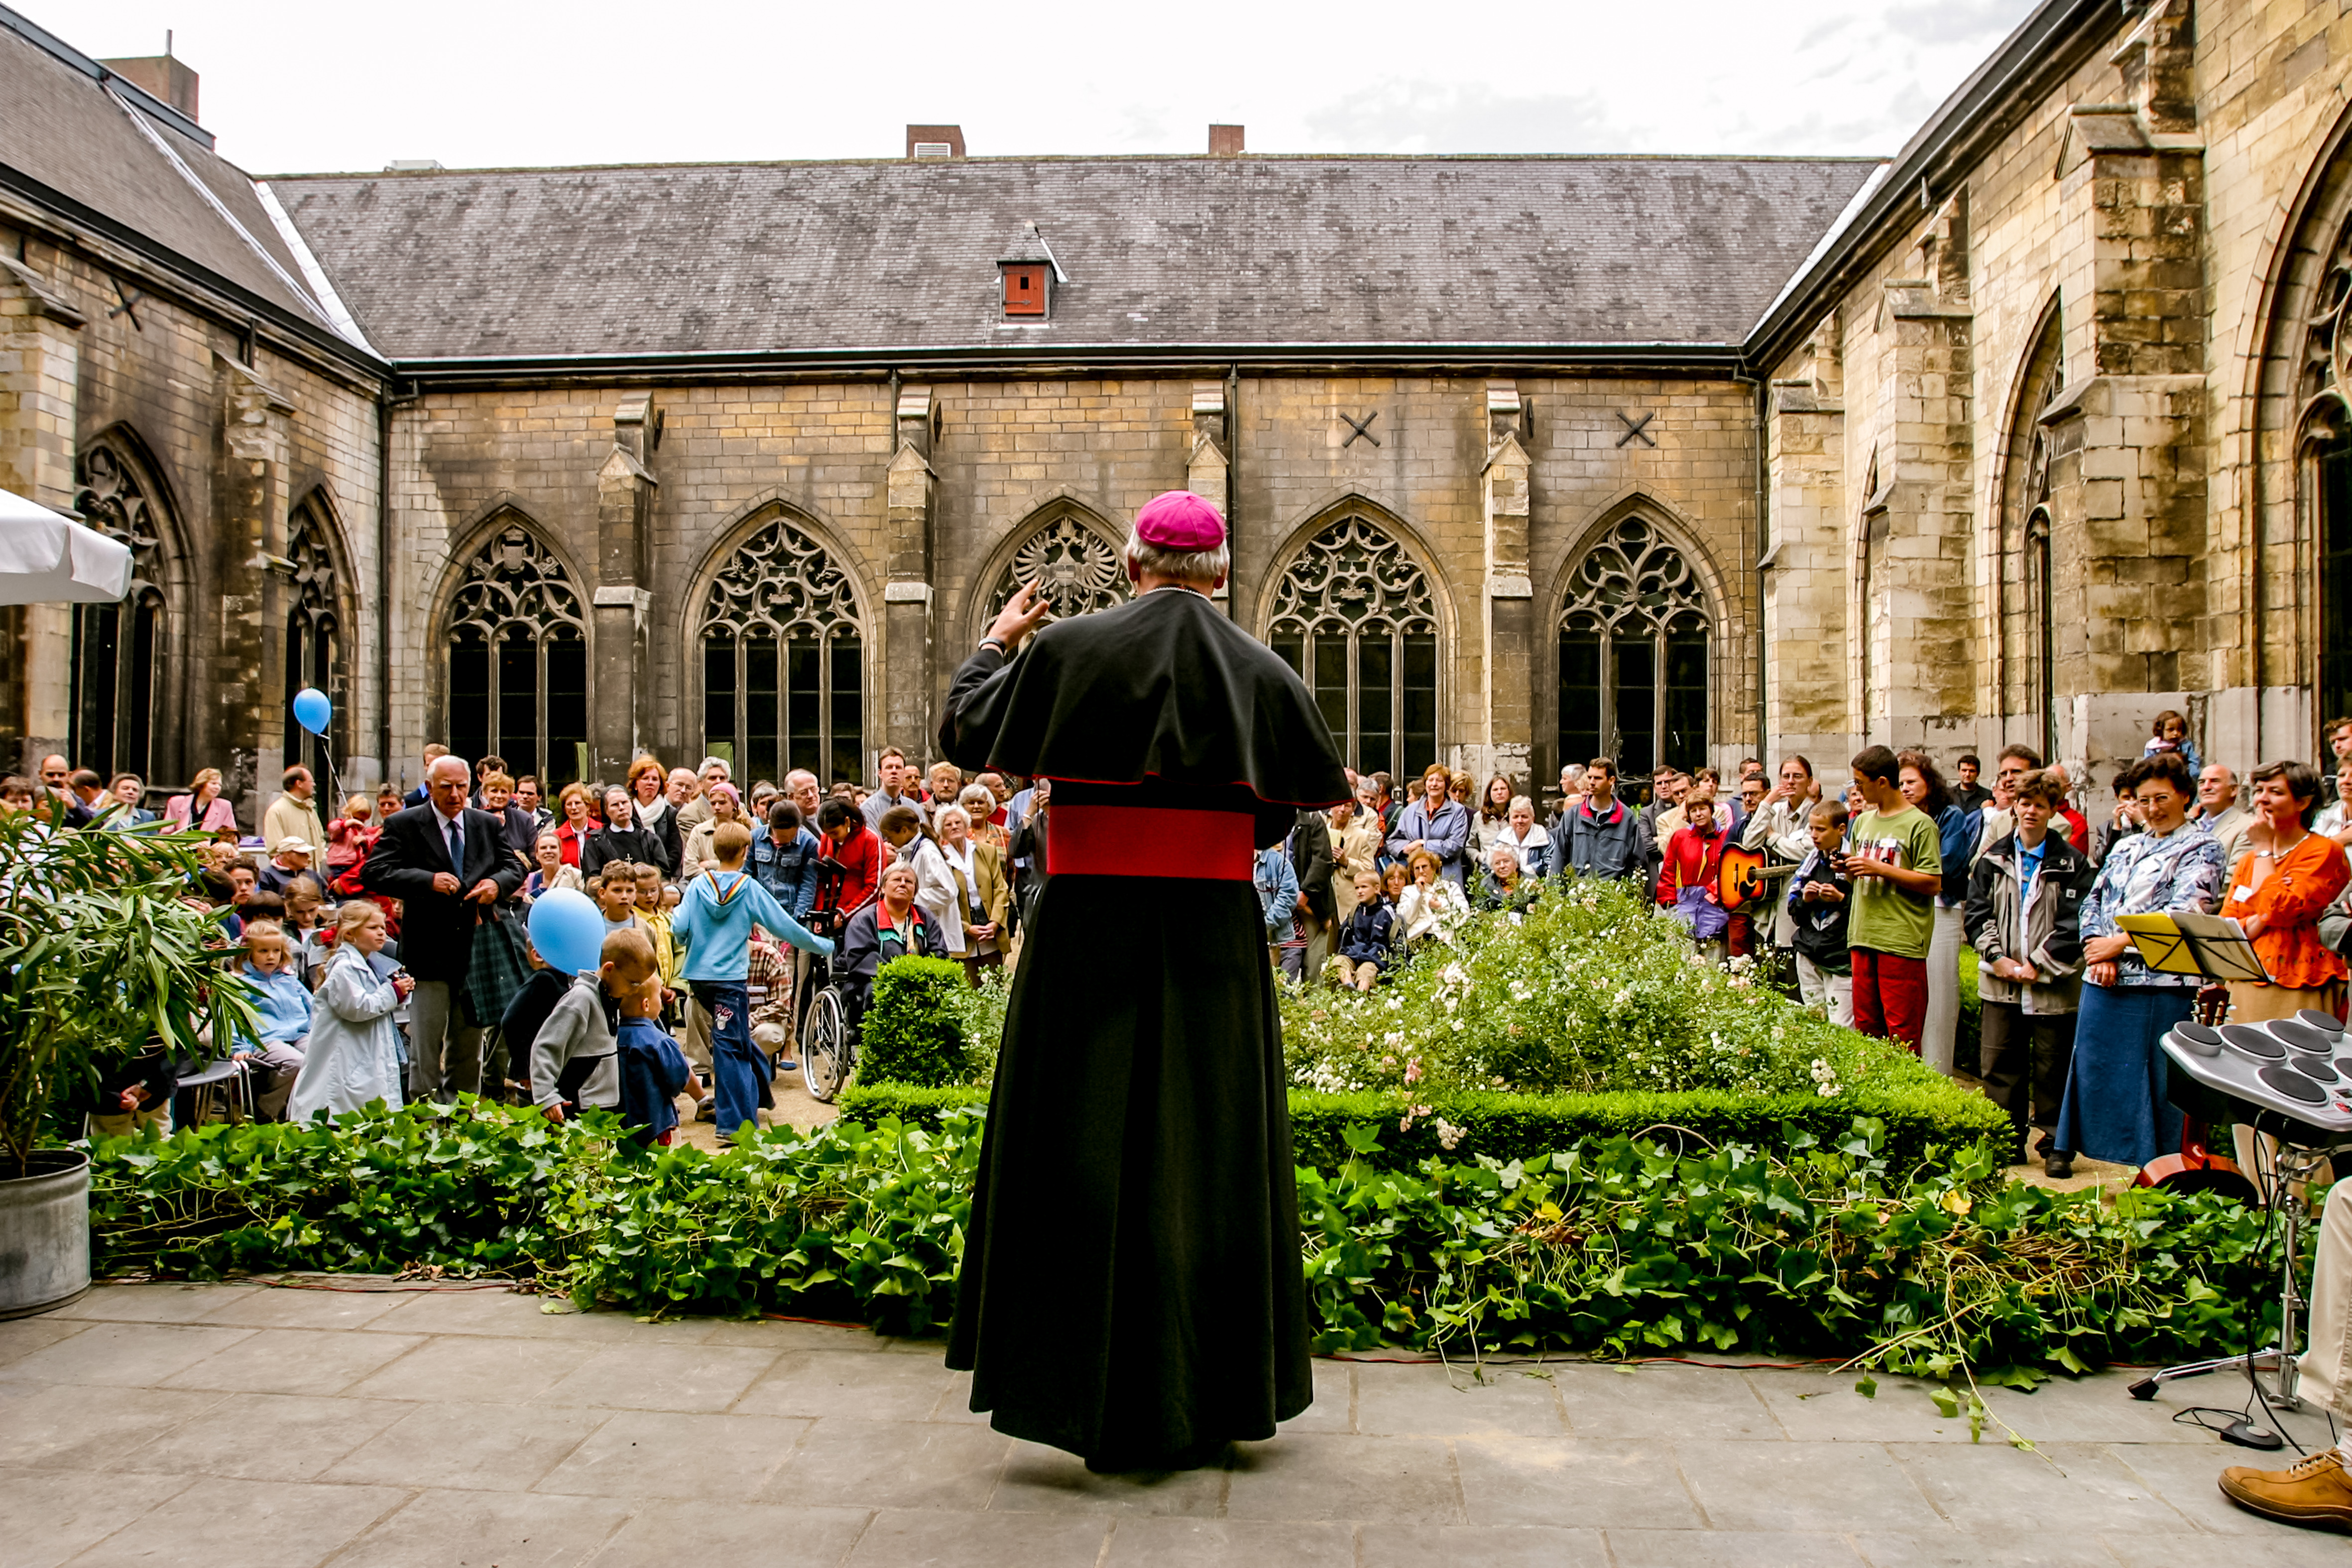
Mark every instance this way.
x=388 y=951
x=1867 y=897
x=355 y=926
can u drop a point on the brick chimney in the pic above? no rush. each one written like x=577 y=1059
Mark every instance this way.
x=160 y=76
x=934 y=141
x=1224 y=140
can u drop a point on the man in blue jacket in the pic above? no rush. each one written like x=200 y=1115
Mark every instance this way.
x=1603 y=837
x=784 y=855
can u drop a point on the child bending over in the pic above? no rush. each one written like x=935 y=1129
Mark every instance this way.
x=574 y=1058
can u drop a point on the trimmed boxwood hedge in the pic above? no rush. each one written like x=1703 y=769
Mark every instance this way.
x=1521 y=1126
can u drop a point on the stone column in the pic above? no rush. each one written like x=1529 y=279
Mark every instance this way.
x=1508 y=602
x=1804 y=560
x=1209 y=471
x=250 y=502
x=40 y=379
x=617 y=684
x=1924 y=643
x=907 y=600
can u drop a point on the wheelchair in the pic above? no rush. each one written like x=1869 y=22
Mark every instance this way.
x=830 y=1016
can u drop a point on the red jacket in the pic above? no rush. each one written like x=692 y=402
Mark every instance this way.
x=861 y=860
x=1691 y=861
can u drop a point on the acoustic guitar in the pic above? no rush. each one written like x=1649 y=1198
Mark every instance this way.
x=1743 y=875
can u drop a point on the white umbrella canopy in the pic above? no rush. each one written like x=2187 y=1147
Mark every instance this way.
x=49 y=559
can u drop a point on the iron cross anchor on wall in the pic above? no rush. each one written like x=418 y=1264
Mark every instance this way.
x=1360 y=427
x=132 y=300
x=1636 y=428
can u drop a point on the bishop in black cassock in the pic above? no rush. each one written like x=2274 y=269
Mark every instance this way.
x=1132 y=1288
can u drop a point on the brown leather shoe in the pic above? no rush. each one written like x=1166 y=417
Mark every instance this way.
x=2317 y=1493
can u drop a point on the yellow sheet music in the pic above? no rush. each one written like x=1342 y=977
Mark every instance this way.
x=2161 y=945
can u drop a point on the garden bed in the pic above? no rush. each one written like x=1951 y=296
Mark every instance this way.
x=1586 y=1016
x=1607 y=1245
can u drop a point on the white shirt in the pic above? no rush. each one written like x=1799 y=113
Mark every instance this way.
x=965 y=861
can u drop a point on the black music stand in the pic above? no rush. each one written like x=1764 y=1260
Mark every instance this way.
x=2216 y=950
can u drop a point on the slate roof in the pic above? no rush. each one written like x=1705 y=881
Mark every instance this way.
x=58 y=126
x=1248 y=252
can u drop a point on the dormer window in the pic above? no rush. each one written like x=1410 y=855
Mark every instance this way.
x=1024 y=289
x=1030 y=274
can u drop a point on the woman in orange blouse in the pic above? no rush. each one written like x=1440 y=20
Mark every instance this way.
x=2288 y=875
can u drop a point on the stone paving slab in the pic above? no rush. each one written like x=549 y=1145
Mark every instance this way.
x=393 y=1426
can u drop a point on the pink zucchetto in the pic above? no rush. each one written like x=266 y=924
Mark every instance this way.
x=1180 y=521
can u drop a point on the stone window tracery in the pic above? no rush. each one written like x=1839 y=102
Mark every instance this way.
x=2325 y=384
x=2031 y=626
x=783 y=679
x=1633 y=647
x=1354 y=615
x=314 y=651
x=118 y=649
x=1080 y=570
x=518 y=649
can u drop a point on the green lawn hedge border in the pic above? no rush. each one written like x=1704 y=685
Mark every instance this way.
x=1522 y=1126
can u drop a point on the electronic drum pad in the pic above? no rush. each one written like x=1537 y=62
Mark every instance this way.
x=2299 y=1068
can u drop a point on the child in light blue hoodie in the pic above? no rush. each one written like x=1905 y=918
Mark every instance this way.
x=714 y=922
x=275 y=1055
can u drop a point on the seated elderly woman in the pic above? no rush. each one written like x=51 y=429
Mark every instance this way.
x=1506 y=886
x=1526 y=837
x=892 y=926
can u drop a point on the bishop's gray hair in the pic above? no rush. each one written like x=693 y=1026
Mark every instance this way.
x=1186 y=565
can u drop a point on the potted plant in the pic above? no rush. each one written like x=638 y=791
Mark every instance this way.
x=100 y=952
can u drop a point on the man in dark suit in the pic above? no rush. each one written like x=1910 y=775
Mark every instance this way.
x=448 y=863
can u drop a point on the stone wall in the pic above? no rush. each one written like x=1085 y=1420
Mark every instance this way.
x=924 y=502
x=231 y=426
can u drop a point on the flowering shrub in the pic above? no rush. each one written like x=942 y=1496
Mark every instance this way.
x=1589 y=989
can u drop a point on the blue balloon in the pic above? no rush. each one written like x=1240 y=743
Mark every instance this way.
x=567 y=930
x=312 y=710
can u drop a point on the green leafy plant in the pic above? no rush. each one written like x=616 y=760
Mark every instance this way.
x=1611 y=1247
x=913 y=1032
x=100 y=952
x=1590 y=989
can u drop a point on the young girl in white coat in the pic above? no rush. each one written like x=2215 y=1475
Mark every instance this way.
x=354 y=1051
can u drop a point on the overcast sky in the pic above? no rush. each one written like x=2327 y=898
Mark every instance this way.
x=327 y=86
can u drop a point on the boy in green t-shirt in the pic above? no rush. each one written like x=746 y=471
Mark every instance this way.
x=1894 y=856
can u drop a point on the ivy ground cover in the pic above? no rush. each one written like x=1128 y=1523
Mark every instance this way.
x=1611 y=1247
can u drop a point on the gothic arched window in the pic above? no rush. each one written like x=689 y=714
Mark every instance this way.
x=1354 y=615
x=2031 y=625
x=2324 y=389
x=519 y=661
x=118 y=647
x=314 y=649
x=1079 y=569
x=784 y=674
x=1633 y=639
